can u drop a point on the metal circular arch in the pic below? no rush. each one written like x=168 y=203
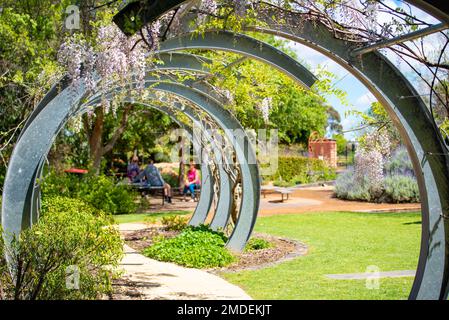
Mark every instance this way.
x=245 y=154
x=411 y=116
x=222 y=213
x=431 y=281
x=207 y=179
x=424 y=143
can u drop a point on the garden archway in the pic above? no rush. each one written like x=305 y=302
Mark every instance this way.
x=425 y=145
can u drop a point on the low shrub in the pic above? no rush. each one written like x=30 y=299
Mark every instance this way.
x=401 y=189
x=297 y=170
x=347 y=188
x=283 y=184
x=171 y=178
x=399 y=163
x=395 y=189
x=71 y=241
x=194 y=247
x=174 y=223
x=103 y=193
x=257 y=244
x=100 y=191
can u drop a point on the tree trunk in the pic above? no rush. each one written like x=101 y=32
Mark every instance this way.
x=96 y=141
x=95 y=135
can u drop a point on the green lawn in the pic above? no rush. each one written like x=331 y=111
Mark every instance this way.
x=339 y=243
x=146 y=217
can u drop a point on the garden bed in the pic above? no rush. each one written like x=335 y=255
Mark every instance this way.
x=280 y=249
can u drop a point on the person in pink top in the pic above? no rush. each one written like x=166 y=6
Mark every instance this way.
x=192 y=182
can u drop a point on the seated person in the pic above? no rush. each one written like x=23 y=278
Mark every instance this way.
x=154 y=179
x=133 y=169
x=192 y=182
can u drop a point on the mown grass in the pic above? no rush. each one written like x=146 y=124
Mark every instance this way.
x=338 y=243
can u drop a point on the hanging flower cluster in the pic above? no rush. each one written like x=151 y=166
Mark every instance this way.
x=369 y=166
x=209 y=6
x=372 y=9
x=380 y=141
x=265 y=108
x=113 y=57
x=371 y=156
x=351 y=13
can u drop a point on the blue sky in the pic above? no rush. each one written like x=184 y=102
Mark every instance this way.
x=358 y=96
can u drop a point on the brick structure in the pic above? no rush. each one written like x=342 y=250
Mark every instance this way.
x=323 y=149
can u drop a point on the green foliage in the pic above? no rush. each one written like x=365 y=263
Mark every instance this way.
x=294 y=112
x=341 y=143
x=171 y=178
x=137 y=136
x=257 y=244
x=99 y=191
x=396 y=189
x=174 y=223
x=195 y=247
x=295 y=170
x=103 y=193
x=69 y=234
x=378 y=118
x=401 y=189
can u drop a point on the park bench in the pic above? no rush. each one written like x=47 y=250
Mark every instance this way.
x=145 y=189
x=285 y=192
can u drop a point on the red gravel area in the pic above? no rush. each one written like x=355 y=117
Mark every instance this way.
x=329 y=203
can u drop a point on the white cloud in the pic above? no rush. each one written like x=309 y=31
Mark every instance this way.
x=364 y=101
x=350 y=123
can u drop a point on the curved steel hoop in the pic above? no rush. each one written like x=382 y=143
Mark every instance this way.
x=244 y=151
x=378 y=74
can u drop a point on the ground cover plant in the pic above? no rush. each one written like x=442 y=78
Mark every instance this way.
x=194 y=247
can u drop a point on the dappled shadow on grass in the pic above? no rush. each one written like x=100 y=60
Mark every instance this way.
x=410 y=223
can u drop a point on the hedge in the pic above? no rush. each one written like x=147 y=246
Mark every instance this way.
x=301 y=170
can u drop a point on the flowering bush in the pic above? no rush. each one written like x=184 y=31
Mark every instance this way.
x=350 y=188
x=376 y=178
x=399 y=163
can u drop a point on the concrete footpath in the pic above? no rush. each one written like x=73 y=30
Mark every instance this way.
x=155 y=280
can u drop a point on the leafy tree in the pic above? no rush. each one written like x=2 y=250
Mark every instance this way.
x=341 y=143
x=29 y=38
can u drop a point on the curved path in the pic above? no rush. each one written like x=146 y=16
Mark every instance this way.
x=155 y=280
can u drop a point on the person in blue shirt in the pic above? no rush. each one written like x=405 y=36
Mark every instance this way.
x=133 y=169
x=154 y=179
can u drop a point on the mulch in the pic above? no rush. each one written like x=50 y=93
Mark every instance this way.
x=281 y=249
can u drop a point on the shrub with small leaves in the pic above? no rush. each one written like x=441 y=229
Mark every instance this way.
x=401 y=188
x=174 y=223
x=99 y=191
x=70 y=235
